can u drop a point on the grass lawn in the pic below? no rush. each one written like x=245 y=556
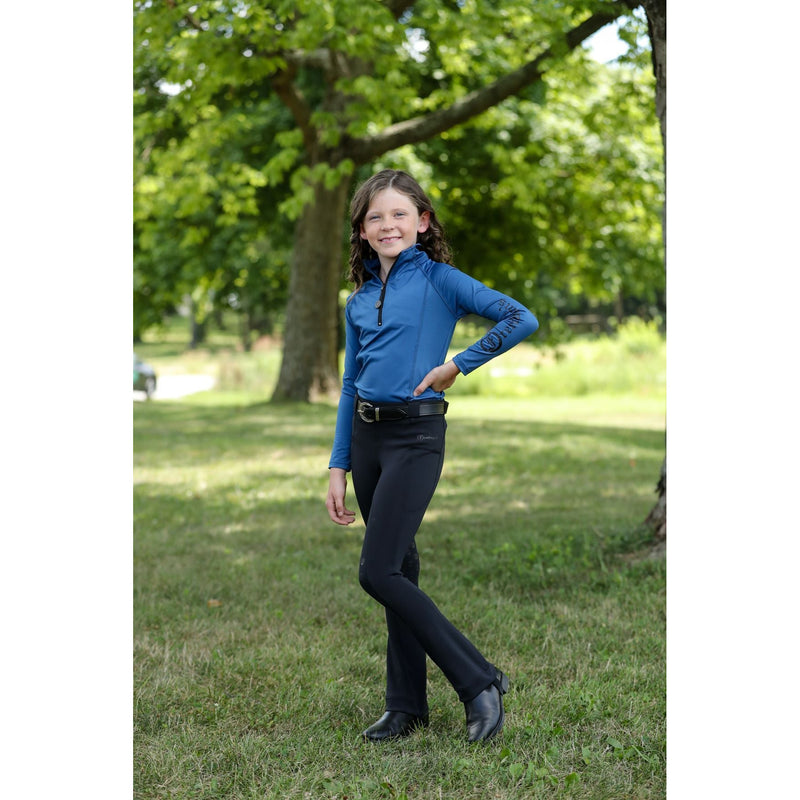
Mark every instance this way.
x=258 y=659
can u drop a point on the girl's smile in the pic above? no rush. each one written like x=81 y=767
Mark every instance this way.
x=391 y=225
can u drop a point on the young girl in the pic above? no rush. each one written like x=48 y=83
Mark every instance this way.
x=390 y=432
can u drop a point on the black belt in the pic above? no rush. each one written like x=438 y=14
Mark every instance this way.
x=370 y=412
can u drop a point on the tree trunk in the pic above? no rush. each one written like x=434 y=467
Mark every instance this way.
x=656 y=11
x=245 y=331
x=197 y=329
x=657 y=518
x=310 y=358
x=310 y=366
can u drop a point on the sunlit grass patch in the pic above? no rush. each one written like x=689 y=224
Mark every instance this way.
x=258 y=659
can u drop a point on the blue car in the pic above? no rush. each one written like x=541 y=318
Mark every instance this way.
x=144 y=377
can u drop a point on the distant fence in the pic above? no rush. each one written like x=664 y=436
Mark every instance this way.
x=587 y=323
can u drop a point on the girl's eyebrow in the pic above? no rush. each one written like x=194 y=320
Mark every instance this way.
x=391 y=211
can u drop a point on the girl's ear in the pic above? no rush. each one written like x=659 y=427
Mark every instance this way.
x=361 y=233
x=424 y=221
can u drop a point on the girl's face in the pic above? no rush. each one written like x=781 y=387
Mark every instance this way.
x=391 y=224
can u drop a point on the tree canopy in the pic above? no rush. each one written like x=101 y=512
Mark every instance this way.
x=253 y=122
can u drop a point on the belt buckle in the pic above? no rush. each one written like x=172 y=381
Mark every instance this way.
x=362 y=405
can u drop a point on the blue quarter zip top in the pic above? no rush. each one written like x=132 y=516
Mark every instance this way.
x=399 y=330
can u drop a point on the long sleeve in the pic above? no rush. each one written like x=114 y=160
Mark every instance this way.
x=514 y=321
x=340 y=453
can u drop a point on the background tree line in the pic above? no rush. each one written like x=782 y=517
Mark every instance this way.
x=254 y=122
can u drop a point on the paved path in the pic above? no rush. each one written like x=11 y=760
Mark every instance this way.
x=171 y=386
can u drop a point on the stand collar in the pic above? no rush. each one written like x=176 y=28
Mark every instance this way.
x=406 y=257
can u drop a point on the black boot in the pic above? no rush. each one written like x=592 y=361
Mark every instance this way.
x=393 y=725
x=485 y=712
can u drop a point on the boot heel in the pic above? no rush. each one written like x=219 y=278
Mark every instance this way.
x=501 y=682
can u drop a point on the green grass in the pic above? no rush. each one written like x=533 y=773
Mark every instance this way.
x=632 y=362
x=258 y=659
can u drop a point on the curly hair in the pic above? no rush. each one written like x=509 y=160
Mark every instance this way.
x=432 y=240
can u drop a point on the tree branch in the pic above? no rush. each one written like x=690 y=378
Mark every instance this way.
x=319 y=59
x=293 y=99
x=418 y=129
x=398 y=7
x=189 y=19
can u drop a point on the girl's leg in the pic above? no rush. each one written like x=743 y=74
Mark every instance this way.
x=406 y=669
x=410 y=456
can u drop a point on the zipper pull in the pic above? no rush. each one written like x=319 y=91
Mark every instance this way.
x=379 y=305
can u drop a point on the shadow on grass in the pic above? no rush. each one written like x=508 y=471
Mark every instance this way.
x=258 y=658
x=180 y=430
x=522 y=504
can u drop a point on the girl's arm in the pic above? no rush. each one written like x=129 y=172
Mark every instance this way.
x=340 y=452
x=513 y=321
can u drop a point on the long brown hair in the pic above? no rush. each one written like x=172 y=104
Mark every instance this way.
x=432 y=240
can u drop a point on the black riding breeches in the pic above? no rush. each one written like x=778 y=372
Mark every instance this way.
x=395 y=468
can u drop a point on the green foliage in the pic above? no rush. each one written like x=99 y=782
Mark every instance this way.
x=203 y=178
x=640 y=337
x=553 y=196
x=632 y=360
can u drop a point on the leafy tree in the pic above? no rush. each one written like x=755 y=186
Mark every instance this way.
x=656 y=11
x=552 y=197
x=201 y=213
x=358 y=79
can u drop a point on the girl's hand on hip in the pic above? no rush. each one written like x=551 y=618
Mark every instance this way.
x=439 y=378
x=337 y=487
